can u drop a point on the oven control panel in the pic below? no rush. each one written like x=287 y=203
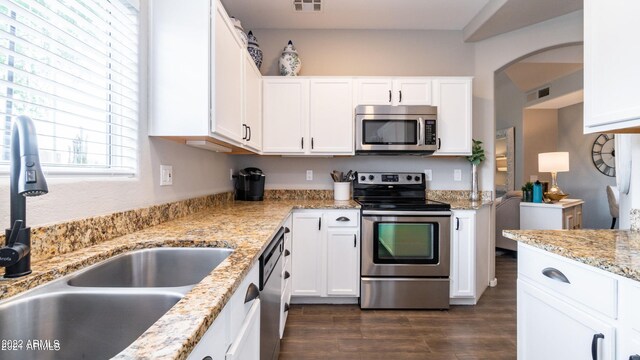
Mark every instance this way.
x=390 y=178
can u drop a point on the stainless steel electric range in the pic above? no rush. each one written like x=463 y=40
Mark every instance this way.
x=405 y=243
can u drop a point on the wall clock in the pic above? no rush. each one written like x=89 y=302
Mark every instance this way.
x=603 y=154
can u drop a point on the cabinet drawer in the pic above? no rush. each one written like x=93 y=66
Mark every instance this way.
x=585 y=286
x=342 y=218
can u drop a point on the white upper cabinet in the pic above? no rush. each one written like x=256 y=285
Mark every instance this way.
x=228 y=91
x=197 y=72
x=393 y=91
x=331 y=116
x=308 y=116
x=452 y=96
x=412 y=91
x=611 y=71
x=252 y=126
x=285 y=112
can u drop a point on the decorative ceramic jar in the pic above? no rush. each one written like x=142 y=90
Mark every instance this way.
x=290 y=63
x=238 y=25
x=254 y=49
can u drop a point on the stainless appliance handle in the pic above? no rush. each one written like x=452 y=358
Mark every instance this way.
x=421 y=140
x=420 y=213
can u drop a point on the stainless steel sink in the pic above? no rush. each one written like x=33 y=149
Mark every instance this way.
x=159 y=267
x=84 y=325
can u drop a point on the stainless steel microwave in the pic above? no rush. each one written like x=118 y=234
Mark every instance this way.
x=396 y=130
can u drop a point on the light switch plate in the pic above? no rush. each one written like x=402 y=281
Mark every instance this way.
x=166 y=175
x=457 y=175
x=309 y=175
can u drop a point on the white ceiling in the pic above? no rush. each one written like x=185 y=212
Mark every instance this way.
x=479 y=19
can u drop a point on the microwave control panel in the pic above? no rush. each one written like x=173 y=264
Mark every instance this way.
x=430 y=135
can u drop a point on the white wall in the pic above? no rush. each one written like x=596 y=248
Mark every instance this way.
x=540 y=134
x=369 y=52
x=584 y=181
x=196 y=172
x=289 y=172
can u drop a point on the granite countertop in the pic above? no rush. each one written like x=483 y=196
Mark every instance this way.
x=468 y=204
x=615 y=251
x=246 y=227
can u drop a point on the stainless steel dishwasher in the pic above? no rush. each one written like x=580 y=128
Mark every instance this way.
x=270 y=295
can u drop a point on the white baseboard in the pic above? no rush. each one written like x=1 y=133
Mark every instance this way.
x=494 y=282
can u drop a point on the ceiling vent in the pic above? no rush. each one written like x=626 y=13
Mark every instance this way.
x=307 y=5
x=538 y=94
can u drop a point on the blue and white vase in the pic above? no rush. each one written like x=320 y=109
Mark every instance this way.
x=290 y=63
x=254 y=49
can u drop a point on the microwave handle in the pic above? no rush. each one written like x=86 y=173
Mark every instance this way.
x=421 y=141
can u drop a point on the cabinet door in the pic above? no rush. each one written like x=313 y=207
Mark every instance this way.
x=374 y=91
x=343 y=263
x=611 y=71
x=285 y=110
x=331 y=116
x=252 y=129
x=550 y=328
x=214 y=342
x=412 y=91
x=246 y=345
x=226 y=118
x=452 y=96
x=308 y=254
x=462 y=254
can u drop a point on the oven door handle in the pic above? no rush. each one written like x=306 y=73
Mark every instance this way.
x=419 y=213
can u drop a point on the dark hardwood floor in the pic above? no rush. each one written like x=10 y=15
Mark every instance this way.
x=486 y=331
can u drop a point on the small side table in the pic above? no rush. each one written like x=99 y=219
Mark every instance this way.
x=565 y=214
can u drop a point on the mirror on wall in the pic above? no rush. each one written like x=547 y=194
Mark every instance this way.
x=505 y=161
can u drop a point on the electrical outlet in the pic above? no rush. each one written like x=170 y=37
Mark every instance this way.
x=428 y=175
x=231 y=174
x=457 y=175
x=166 y=175
x=309 y=175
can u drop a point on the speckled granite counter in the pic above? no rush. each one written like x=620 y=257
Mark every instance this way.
x=615 y=251
x=246 y=227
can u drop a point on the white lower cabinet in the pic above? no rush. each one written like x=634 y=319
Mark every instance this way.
x=287 y=269
x=343 y=262
x=326 y=254
x=307 y=254
x=550 y=328
x=469 y=255
x=235 y=334
x=571 y=311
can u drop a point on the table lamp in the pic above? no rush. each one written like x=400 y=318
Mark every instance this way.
x=553 y=162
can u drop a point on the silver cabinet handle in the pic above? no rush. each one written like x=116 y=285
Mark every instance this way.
x=555 y=274
x=252 y=293
x=343 y=218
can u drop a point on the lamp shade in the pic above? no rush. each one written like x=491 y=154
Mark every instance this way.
x=553 y=162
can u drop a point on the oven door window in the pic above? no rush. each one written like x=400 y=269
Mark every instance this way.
x=390 y=132
x=405 y=243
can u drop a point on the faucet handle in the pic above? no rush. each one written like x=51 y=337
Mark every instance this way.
x=15 y=231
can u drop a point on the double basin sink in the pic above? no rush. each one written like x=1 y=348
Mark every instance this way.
x=97 y=312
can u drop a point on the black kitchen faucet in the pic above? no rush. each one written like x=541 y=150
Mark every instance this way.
x=26 y=179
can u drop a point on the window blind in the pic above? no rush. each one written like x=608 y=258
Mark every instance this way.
x=72 y=66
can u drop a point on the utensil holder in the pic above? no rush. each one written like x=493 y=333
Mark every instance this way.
x=342 y=191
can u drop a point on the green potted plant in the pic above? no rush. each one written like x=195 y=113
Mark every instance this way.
x=476 y=158
x=527 y=192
